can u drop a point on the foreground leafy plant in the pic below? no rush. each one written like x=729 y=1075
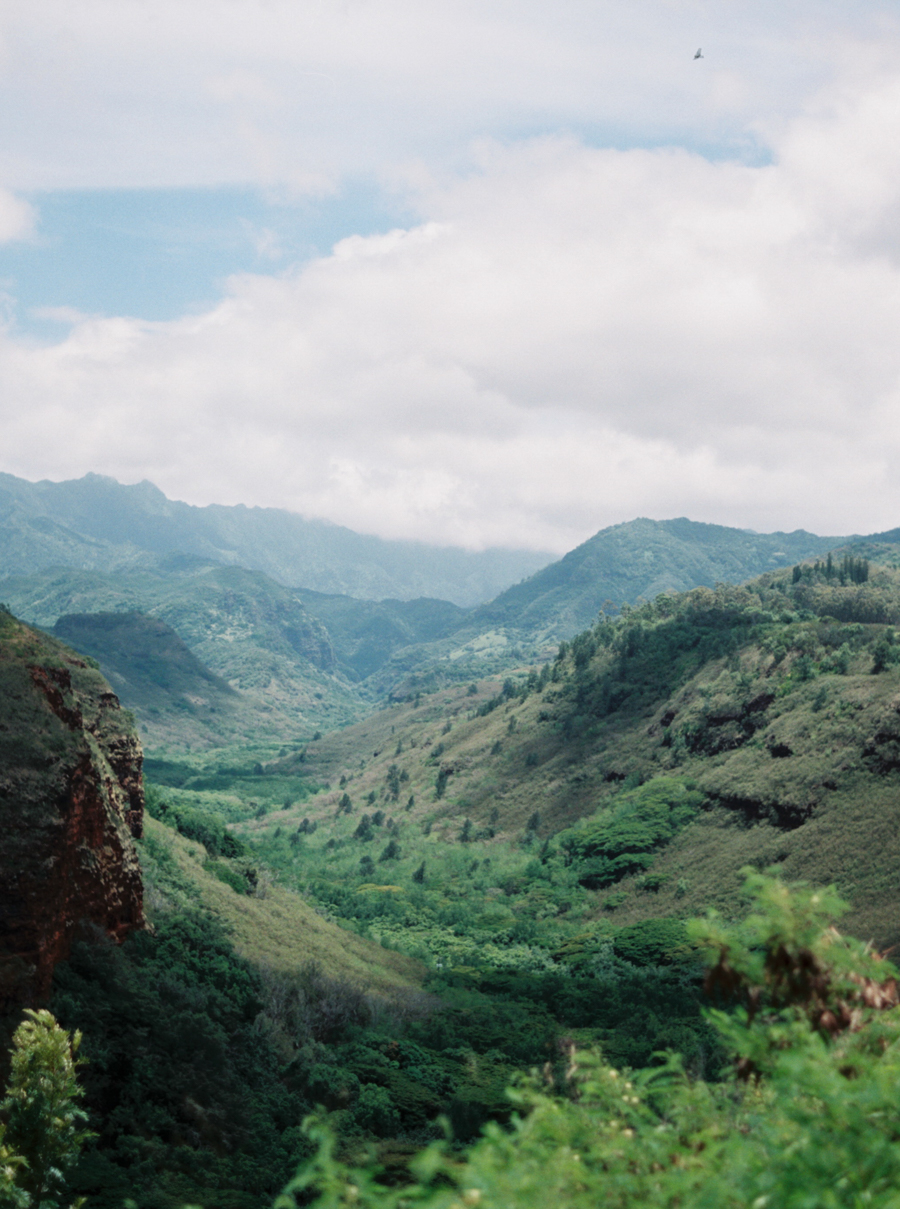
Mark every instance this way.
x=43 y=1135
x=809 y=1117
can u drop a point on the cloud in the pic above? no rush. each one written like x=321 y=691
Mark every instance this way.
x=188 y=92
x=572 y=336
x=16 y=217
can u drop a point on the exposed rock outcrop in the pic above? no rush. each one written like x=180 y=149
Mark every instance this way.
x=71 y=801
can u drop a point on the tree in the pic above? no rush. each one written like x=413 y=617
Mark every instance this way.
x=11 y=1166
x=393 y=781
x=44 y=1122
x=364 y=830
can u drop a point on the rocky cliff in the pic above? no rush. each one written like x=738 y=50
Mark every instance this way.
x=71 y=800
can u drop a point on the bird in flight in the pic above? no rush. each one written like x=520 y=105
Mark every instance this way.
x=699 y=54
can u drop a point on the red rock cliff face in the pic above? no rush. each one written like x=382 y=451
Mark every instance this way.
x=71 y=799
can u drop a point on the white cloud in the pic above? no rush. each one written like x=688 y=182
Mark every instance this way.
x=572 y=336
x=188 y=92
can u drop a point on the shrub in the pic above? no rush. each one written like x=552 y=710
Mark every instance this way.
x=624 y=840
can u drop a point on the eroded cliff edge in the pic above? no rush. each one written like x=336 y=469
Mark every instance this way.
x=71 y=801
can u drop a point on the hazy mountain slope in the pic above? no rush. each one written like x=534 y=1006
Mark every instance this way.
x=366 y=633
x=640 y=559
x=245 y=628
x=96 y=522
x=779 y=702
x=178 y=702
x=143 y=653
x=623 y=564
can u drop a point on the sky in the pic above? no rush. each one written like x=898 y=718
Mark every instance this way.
x=473 y=272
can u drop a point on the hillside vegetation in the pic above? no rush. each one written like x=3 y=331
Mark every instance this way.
x=807 y=1115
x=774 y=709
x=208 y=1039
x=243 y=628
x=636 y=561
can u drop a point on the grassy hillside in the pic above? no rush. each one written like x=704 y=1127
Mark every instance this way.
x=272 y=928
x=776 y=702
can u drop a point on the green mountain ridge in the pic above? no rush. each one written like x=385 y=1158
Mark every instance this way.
x=306 y=660
x=619 y=566
x=383 y=642
x=637 y=561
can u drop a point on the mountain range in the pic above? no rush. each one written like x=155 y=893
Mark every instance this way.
x=97 y=523
x=308 y=624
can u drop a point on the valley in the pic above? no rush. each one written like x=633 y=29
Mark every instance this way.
x=395 y=852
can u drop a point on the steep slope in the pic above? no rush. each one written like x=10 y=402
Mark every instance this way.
x=208 y=1040
x=71 y=799
x=274 y=930
x=95 y=522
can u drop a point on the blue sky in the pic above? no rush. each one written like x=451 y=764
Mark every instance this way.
x=474 y=272
x=160 y=253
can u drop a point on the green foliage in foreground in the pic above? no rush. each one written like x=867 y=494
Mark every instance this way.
x=809 y=1119
x=43 y=1131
